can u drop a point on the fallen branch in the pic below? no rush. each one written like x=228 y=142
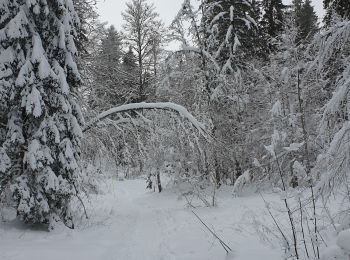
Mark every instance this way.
x=223 y=244
x=275 y=221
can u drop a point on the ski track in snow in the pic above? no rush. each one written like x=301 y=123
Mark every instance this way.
x=134 y=224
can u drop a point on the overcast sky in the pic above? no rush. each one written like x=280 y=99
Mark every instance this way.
x=110 y=10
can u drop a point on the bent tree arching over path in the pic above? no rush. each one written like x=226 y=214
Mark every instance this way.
x=182 y=111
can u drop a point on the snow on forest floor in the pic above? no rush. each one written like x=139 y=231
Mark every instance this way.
x=130 y=222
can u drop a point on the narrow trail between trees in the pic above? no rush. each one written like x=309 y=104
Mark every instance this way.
x=131 y=223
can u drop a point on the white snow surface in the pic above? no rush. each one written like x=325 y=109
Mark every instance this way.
x=130 y=222
x=343 y=240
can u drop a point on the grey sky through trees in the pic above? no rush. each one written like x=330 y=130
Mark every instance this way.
x=110 y=10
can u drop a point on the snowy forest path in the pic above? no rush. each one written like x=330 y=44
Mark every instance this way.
x=143 y=222
x=128 y=222
x=154 y=222
x=159 y=226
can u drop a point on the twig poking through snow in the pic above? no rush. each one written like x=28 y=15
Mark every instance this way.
x=223 y=244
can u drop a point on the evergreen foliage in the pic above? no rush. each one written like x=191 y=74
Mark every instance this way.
x=273 y=18
x=40 y=154
x=306 y=21
x=230 y=32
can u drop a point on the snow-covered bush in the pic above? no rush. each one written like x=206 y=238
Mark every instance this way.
x=333 y=164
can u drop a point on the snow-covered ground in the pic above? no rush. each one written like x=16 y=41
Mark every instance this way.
x=129 y=222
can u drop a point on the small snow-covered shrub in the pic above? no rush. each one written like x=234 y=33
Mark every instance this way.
x=241 y=182
x=91 y=178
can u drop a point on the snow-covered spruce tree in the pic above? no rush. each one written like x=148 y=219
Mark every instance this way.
x=272 y=20
x=39 y=158
x=108 y=89
x=129 y=77
x=306 y=21
x=88 y=17
x=230 y=31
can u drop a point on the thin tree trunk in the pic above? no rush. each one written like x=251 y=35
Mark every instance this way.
x=303 y=125
x=159 y=184
x=290 y=214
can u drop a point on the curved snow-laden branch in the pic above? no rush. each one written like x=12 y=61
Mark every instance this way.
x=137 y=106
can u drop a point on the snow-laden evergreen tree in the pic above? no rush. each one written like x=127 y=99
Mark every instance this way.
x=108 y=89
x=230 y=32
x=88 y=17
x=272 y=21
x=307 y=22
x=129 y=78
x=39 y=159
x=270 y=24
x=111 y=46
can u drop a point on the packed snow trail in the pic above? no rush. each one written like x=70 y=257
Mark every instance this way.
x=134 y=224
